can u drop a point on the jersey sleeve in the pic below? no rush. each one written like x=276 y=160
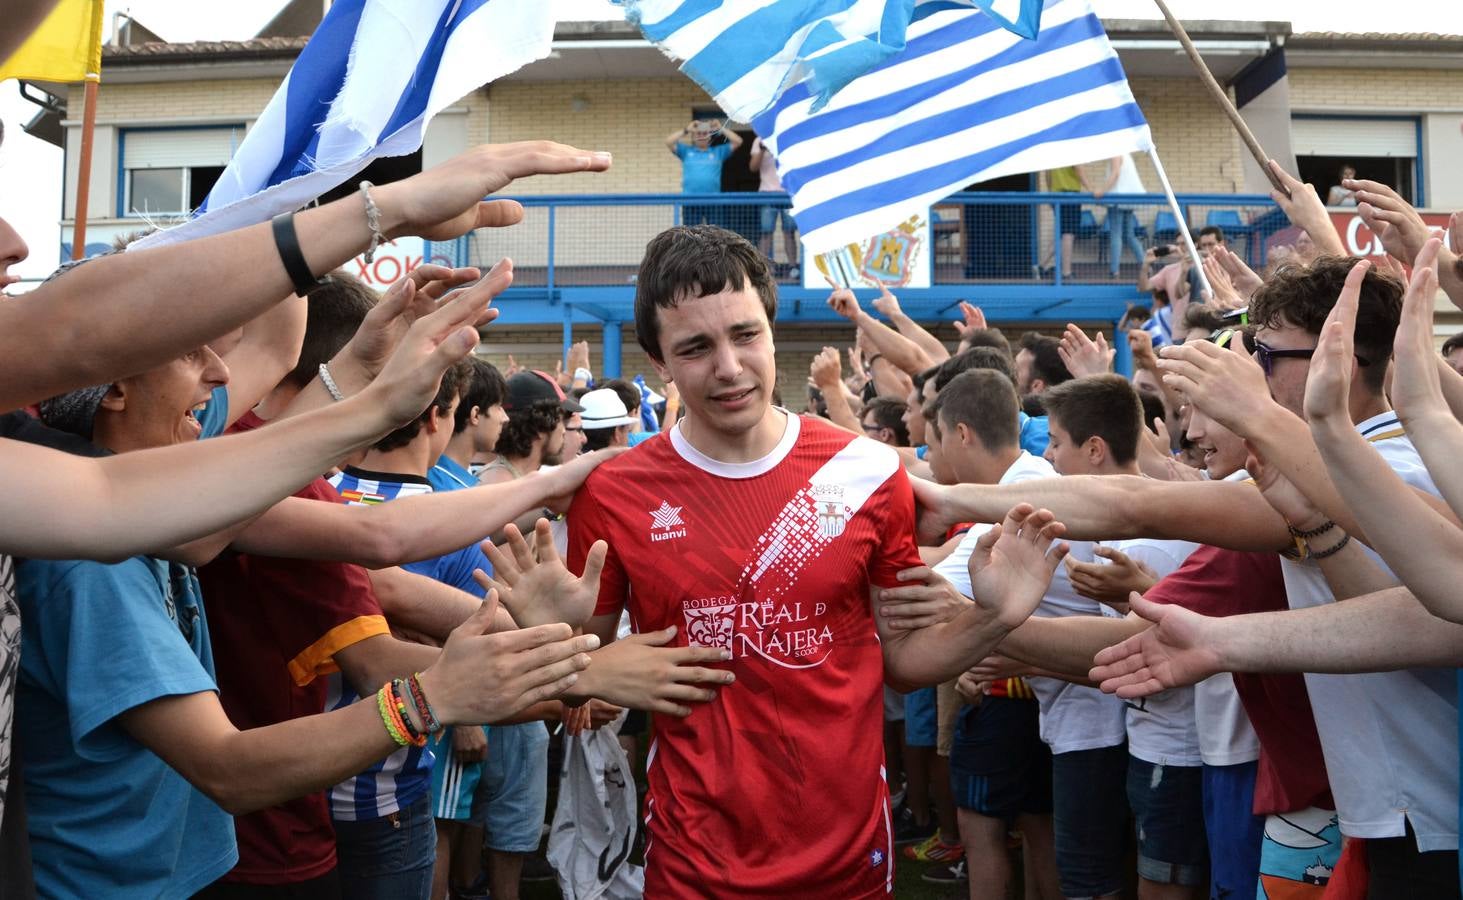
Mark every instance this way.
x=897 y=550
x=587 y=525
x=101 y=641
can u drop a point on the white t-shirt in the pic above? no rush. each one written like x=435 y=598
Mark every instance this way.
x=1390 y=738
x=767 y=179
x=1073 y=717
x=1129 y=182
x=1161 y=728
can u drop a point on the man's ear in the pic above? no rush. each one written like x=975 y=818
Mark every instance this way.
x=661 y=372
x=115 y=399
x=1096 y=450
x=1038 y=386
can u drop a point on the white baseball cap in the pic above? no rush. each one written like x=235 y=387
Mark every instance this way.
x=604 y=409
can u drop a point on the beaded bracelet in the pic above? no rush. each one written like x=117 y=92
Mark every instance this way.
x=1311 y=532
x=387 y=719
x=424 y=709
x=1332 y=551
x=399 y=697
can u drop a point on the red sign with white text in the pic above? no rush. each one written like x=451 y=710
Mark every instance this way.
x=1358 y=239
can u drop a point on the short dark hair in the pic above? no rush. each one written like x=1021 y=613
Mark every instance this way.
x=1452 y=343
x=1214 y=230
x=984 y=401
x=453 y=381
x=1202 y=315
x=333 y=312
x=485 y=388
x=1153 y=408
x=599 y=438
x=986 y=337
x=974 y=358
x=691 y=261
x=1046 y=359
x=525 y=425
x=1303 y=295
x=1104 y=406
x=888 y=412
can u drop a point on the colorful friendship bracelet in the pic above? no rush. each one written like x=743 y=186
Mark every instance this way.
x=387 y=719
x=424 y=709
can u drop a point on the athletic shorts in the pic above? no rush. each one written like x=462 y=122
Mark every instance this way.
x=453 y=782
x=999 y=766
x=1168 y=814
x=1090 y=820
x=921 y=728
x=1233 y=830
x=513 y=794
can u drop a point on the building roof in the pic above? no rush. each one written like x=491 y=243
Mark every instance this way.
x=212 y=51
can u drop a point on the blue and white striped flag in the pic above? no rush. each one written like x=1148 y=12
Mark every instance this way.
x=372 y=76
x=965 y=100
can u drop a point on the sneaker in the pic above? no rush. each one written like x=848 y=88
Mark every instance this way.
x=908 y=831
x=477 y=891
x=934 y=850
x=537 y=868
x=949 y=873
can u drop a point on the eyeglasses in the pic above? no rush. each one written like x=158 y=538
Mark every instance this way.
x=573 y=427
x=1266 y=355
x=870 y=429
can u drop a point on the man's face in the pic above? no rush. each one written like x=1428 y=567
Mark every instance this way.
x=1455 y=359
x=1224 y=451
x=1024 y=375
x=489 y=426
x=874 y=430
x=1287 y=378
x=573 y=437
x=1207 y=243
x=914 y=419
x=1146 y=382
x=12 y=251
x=159 y=405
x=1066 y=457
x=553 y=454
x=943 y=450
x=719 y=353
x=701 y=136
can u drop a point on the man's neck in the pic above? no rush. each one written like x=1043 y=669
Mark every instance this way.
x=276 y=401
x=523 y=465
x=990 y=468
x=460 y=449
x=743 y=447
x=1364 y=405
x=413 y=459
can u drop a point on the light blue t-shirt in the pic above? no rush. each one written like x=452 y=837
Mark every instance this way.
x=109 y=818
x=701 y=169
x=1033 y=439
x=449 y=475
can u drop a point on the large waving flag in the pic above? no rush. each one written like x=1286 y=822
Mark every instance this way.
x=966 y=99
x=372 y=76
x=66 y=47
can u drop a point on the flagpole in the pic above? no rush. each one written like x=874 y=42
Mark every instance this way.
x=1222 y=98
x=1178 y=215
x=83 y=177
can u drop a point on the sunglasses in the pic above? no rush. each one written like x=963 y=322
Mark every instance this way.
x=1266 y=355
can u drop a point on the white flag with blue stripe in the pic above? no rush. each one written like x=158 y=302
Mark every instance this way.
x=372 y=76
x=965 y=101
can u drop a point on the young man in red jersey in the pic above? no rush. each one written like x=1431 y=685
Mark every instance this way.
x=763 y=534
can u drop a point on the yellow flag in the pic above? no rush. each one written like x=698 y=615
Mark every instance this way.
x=67 y=46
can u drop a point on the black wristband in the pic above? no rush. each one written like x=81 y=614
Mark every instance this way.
x=287 y=242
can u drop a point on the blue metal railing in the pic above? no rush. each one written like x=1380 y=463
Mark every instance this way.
x=576 y=256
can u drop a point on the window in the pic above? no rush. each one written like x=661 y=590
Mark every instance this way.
x=1379 y=149
x=169 y=171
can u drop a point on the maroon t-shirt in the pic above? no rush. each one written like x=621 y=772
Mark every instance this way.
x=1216 y=582
x=276 y=625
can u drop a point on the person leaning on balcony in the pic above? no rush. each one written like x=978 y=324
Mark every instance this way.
x=701 y=163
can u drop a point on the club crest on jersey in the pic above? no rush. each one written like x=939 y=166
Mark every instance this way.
x=832 y=514
x=710 y=621
x=666 y=522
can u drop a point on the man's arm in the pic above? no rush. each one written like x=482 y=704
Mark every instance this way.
x=894 y=347
x=1403 y=232
x=826 y=369
x=126 y=313
x=1304 y=208
x=678 y=136
x=427 y=606
x=1379 y=632
x=266 y=351
x=1110 y=507
x=1066 y=646
x=478 y=678
x=887 y=305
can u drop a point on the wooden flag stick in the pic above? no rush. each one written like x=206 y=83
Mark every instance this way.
x=83 y=168
x=1222 y=98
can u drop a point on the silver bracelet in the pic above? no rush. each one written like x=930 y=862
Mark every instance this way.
x=329 y=383
x=583 y=374
x=373 y=221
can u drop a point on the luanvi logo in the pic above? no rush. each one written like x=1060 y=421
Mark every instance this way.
x=666 y=522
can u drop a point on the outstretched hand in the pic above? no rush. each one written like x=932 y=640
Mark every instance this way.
x=843 y=302
x=446 y=201
x=1416 y=387
x=971 y=319
x=1082 y=355
x=409 y=299
x=923 y=598
x=1328 y=386
x=1176 y=652
x=641 y=672
x=1012 y=564
x=1110 y=582
x=1227 y=384
x=534 y=584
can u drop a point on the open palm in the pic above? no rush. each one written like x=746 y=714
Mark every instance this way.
x=1012 y=564
x=533 y=583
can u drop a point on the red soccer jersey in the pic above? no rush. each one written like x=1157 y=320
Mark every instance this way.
x=775 y=788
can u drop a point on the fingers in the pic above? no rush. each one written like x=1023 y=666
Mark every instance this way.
x=497 y=213
x=518 y=546
x=544 y=158
x=543 y=542
x=918 y=573
x=480 y=621
x=688 y=675
x=529 y=639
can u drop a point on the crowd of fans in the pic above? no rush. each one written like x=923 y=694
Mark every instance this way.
x=293 y=586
